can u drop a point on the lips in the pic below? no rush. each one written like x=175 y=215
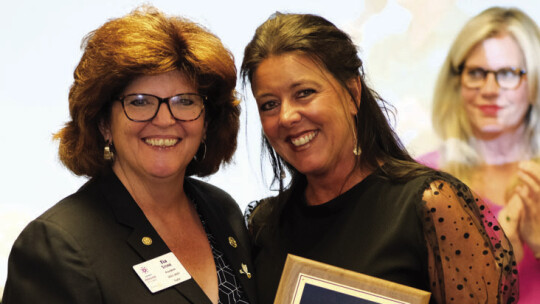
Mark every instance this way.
x=161 y=142
x=489 y=110
x=303 y=139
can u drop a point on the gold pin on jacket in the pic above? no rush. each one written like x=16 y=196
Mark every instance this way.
x=146 y=241
x=245 y=271
x=232 y=242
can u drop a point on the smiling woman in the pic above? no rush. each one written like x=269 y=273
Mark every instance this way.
x=496 y=62
x=357 y=200
x=291 y=88
x=160 y=146
x=152 y=103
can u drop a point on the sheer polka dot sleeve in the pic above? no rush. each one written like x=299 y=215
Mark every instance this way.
x=470 y=258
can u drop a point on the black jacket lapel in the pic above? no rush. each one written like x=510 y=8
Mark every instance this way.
x=144 y=239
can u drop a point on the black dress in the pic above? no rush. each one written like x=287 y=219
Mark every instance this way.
x=429 y=232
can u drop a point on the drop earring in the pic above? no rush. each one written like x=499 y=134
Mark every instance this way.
x=203 y=144
x=356 y=150
x=108 y=153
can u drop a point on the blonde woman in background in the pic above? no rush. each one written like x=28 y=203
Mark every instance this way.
x=486 y=110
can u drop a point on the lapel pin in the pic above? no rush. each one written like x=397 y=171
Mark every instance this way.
x=146 y=241
x=245 y=271
x=232 y=242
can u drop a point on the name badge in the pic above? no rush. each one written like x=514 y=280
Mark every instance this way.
x=162 y=272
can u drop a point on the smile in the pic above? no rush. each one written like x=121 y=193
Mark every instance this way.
x=489 y=110
x=304 y=139
x=161 y=142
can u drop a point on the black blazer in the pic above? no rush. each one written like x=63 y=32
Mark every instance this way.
x=82 y=250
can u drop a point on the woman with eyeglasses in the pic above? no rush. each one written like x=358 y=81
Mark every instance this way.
x=486 y=109
x=153 y=102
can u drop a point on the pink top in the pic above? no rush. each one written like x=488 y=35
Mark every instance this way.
x=528 y=268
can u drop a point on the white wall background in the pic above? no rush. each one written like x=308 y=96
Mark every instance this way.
x=403 y=44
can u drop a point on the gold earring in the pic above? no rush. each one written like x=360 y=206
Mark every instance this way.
x=356 y=150
x=108 y=154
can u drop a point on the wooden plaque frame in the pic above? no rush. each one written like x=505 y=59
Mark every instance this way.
x=308 y=281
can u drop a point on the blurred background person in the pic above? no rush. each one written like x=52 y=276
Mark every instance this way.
x=153 y=102
x=486 y=109
x=356 y=199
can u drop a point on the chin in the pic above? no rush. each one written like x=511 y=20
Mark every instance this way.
x=489 y=132
x=491 y=129
x=487 y=126
x=164 y=172
x=308 y=169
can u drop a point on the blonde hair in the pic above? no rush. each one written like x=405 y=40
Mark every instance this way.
x=449 y=118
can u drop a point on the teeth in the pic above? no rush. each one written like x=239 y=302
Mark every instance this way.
x=161 y=142
x=302 y=140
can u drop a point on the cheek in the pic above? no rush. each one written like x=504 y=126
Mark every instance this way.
x=200 y=130
x=520 y=110
x=519 y=99
x=468 y=96
x=122 y=128
x=118 y=126
x=270 y=126
x=520 y=96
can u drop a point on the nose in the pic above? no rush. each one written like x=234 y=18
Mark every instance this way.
x=164 y=116
x=490 y=87
x=289 y=113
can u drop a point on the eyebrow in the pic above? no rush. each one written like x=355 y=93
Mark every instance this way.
x=476 y=67
x=292 y=86
x=263 y=95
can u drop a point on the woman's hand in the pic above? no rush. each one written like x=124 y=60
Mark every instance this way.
x=509 y=218
x=529 y=194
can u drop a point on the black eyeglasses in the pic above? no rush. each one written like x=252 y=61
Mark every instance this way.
x=144 y=107
x=507 y=78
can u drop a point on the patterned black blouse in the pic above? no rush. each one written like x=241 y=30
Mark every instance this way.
x=229 y=288
x=430 y=232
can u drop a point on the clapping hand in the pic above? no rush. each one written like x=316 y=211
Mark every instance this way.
x=528 y=191
x=509 y=218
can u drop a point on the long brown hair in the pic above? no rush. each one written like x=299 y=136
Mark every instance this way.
x=334 y=50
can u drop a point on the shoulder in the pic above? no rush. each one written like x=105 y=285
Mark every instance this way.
x=213 y=200
x=425 y=185
x=64 y=247
x=60 y=235
x=441 y=182
x=428 y=175
x=257 y=211
x=83 y=205
x=448 y=197
x=439 y=185
x=208 y=191
x=257 y=217
x=204 y=188
x=79 y=217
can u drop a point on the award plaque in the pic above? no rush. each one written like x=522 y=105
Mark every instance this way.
x=305 y=281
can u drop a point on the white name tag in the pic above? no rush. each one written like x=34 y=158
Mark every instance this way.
x=162 y=272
